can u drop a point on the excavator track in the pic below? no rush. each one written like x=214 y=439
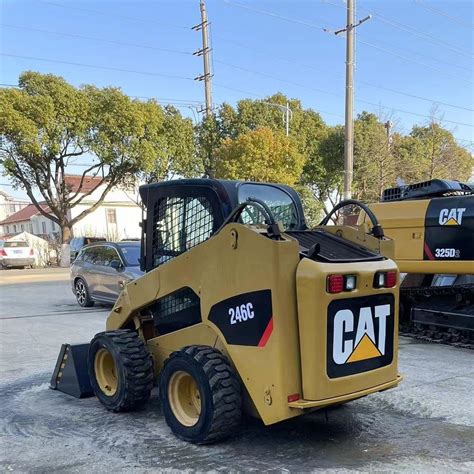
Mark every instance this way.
x=439 y=314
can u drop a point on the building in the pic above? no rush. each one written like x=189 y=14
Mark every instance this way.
x=118 y=216
x=10 y=205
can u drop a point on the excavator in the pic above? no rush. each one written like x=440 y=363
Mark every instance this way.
x=432 y=225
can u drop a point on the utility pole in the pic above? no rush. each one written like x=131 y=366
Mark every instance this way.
x=205 y=52
x=349 y=107
x=388 y=126
x=349 y=118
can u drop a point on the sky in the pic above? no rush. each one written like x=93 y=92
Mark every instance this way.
x=412 y=56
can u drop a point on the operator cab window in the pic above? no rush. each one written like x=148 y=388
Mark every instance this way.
x=179 y=224
x=280 y=203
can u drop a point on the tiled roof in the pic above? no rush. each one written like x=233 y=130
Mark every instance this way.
x=73 y=182
x=24 y=214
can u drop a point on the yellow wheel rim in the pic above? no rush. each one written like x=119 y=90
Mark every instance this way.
x=106 y=372
x=184 y=398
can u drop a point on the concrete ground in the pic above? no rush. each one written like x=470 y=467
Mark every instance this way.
x=427 y=424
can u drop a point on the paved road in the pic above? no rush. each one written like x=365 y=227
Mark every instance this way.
x=427 y=424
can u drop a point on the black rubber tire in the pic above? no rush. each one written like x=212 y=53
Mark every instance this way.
x=83 y=299
x=220 y=390
x=134 y=367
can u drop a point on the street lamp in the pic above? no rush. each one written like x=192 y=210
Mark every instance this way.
x=287 y=114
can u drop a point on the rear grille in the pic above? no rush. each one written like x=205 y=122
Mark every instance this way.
x=333 y=249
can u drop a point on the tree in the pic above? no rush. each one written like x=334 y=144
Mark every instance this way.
x=431 y=152
x=374 y=166
x=306 y=126
x=47 y=123
x=323 y=170
x=176 y=155
x=259 y=155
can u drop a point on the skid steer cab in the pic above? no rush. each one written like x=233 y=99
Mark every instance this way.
x=243 y=308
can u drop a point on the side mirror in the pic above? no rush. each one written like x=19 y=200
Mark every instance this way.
x=117 y=264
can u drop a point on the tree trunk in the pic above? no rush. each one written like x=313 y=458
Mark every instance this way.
x=66 y=236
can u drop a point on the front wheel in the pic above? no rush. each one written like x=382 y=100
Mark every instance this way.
x=201 y=395
x=120 y=370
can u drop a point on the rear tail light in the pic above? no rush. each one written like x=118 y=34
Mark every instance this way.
x=335 y=283
x=294 y=397
x=340 y=283
x=385 y=279
x=31 y=252
x=391 y=279
x=3 y=253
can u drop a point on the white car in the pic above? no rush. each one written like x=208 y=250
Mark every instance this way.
x=16 y=254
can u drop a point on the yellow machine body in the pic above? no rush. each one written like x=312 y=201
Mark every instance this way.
x=431 y=235
x=283 y=362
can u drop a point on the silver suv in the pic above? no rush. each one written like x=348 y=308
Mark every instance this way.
x=101 y=270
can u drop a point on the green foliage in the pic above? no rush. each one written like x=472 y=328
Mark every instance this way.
x=323 y=171
x=47 y=123
x=259 y=155
x=431 y=152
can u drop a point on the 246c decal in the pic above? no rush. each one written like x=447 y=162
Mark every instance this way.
x=241 y=313
x=245 y=319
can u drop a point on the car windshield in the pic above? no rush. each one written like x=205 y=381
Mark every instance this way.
x=131 y=254
x=16 y=244
x=279 y=202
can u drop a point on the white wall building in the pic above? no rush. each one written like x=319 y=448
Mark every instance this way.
x=10 y=205
x=118 y=217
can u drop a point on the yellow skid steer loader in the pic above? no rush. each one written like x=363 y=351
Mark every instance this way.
x=243 y=308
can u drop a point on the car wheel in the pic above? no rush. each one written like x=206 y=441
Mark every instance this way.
x=201 y=395
x=82 y=294
x=120 y=370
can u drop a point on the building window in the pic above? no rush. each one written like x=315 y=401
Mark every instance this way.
x=7 y=229
x=43 y=226
x=31 y=227
x=111 y=216
x=22 y=227
x=14 y=227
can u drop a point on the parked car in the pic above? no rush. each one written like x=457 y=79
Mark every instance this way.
x=77 y=243
x=101 y=270
x=16 y=253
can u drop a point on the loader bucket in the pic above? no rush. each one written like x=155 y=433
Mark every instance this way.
x=70 y=373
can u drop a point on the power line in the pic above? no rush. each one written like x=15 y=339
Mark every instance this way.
x=274 y=15
x=116 y=15
x=270 y=76
x=453 y=19
x=262 y=96
x=92 y=38
x=321 y=28
x=418 y=33
x=398 y=55
x=334 y=93
x=429 y=66
x=94 y=66
x=423 y=55
x=272 y=56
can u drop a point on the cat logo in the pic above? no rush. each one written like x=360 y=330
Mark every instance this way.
x=360 y=335
x=362 y=346
x=451 y=216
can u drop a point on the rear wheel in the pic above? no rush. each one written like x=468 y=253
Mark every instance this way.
x=201 y=395
x=120 y=370
x=82 y=293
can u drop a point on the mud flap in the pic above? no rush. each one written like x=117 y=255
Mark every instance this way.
x=70 y=373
